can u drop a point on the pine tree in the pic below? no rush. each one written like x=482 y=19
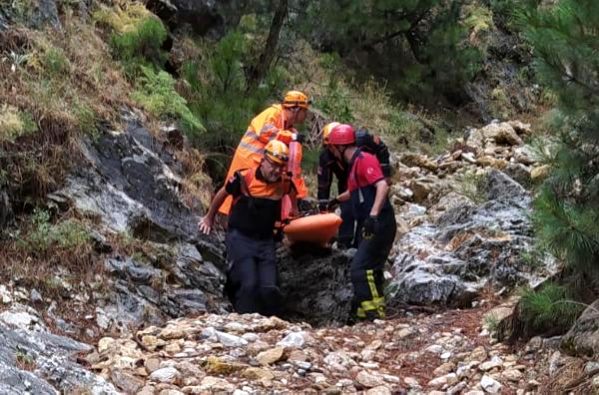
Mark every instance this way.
x=415 y=45
x=565 y=40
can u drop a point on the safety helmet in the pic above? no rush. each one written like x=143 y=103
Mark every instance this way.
x=296 y=99
x=276 y=151
x=326 y=131
x=342 y=134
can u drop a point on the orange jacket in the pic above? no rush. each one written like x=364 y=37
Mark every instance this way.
x=263 y=128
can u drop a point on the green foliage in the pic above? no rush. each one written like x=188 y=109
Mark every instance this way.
x=140 y=45
x=471 y=186
x=491 y=323
x=15 y=123
x=217 y=85
x=480 y=19
x=55 y=62
x=416 y=46
x=534 y=258
x=549 y=310
x=86 y=118
x=564 y=38
x=156 y=93
x=66 y=235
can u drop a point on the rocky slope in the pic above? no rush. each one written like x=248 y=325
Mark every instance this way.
x=460 y=245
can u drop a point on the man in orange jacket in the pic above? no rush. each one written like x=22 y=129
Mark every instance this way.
x=257 y=196
x=276 y=122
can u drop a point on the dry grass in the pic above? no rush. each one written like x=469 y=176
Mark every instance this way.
x=196 y=185
x=568 y=374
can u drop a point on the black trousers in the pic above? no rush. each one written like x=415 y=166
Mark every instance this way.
x=252 y=277
x=348 y=235
x=367 y=268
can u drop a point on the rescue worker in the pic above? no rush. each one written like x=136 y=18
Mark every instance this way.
x=329 y=165
x=368 y=193
x=277 y=121
x=257 y=194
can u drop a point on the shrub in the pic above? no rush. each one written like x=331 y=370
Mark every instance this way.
x=156 y=93
x=471 y=186
x=55 y=62
x=218 y=95
x=549 y=310
x=14 y=123
x=67 y=235
x=141 y=44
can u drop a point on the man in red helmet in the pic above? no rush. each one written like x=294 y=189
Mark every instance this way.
x=367 y=191
x=329 y=166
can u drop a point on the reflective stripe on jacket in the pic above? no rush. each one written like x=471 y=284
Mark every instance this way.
x=263 y=128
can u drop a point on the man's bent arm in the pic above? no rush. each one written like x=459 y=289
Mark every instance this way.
x=382 y=188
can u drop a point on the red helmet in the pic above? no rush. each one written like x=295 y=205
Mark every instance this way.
x=342 y=135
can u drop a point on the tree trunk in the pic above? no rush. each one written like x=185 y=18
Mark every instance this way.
x=257 y=72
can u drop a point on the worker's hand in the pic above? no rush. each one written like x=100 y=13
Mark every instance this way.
x=332 y=204
x=370 y=227
x=205 y=225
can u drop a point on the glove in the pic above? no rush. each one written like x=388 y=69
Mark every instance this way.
x=332 y=204
x=370 y=227
x=299 y=138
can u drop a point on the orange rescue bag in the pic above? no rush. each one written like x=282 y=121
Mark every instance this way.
x=318 y=229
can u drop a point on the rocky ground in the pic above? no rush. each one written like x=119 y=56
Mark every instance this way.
x=446 y=353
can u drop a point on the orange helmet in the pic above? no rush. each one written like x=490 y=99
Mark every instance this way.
x=326 y=131
x=276 y=151
x=296 y=99
x=342 y=134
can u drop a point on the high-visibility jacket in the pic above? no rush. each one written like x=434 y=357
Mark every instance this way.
x=294 y=168
x=263 y=128
x=256 y=204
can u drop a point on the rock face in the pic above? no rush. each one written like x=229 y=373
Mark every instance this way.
x=316 y=289
x=448 y=261
x=131 y=182
x=33 y=360
x=130 y=185
x=203 y=16
x=469 y=226
x=583 y=338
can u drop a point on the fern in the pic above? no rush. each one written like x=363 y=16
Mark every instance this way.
x=156 y=93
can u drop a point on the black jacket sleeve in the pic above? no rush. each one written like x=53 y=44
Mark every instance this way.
x=325 y=176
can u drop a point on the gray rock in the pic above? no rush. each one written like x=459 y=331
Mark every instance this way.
x=293 y=340
x=203 y=16
x=229 y=340
x=583 y=338
x=315 y=284
x=490 y=385
x=449 y=260
x=130 y=186
x=165 y=375
x=51 y=356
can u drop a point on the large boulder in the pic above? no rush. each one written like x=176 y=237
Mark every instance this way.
x=131 y=183
x=583 y=338
x=449 y=259
x=316 y=285
x=35 y=361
